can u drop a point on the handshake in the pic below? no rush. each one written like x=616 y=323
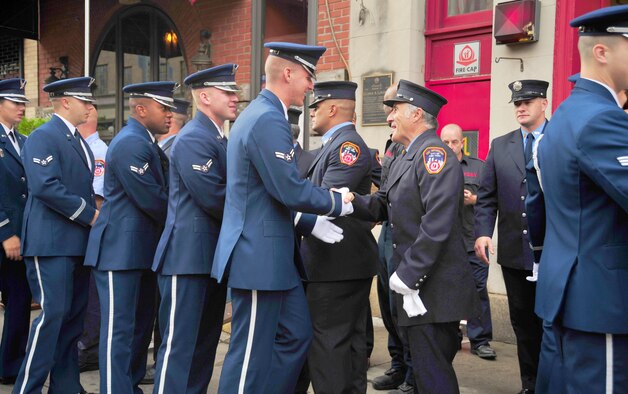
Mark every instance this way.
x=324 y=229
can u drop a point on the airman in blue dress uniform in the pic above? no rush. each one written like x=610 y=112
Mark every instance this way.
x=123 y=241
x=59 y=212
x=583 y=158
x=13 y=193
x=257 y=250
x=192 y=303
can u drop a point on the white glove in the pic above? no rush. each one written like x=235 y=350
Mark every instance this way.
x=326 y=231
x=412 y=303
x=347 y=208
x=535 y=273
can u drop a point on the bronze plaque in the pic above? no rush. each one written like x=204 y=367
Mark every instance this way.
x=373 y=89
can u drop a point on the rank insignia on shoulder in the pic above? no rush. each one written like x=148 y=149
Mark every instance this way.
x=139 y=170
x=349 y=153
x=285 y=156
x=434 y=159
x=99 y=168
x=202 y=167
x=42 y=162
x=623 y=160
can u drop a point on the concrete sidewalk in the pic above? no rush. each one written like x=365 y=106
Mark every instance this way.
x=476 y=376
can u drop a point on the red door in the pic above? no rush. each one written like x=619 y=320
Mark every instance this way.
x=458 y=66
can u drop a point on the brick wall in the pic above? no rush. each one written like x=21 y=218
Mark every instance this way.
x=339 y=10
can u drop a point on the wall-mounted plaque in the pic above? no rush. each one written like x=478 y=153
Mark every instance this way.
x=373 y=89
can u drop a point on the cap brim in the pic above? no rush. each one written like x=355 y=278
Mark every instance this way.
x=229 y=88
x=316 y=101
x=17 y=100
x=164 y=103
x=524 y=98
x=83 y=98
x=393 y=101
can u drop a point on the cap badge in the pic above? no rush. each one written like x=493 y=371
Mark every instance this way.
x=517 y=86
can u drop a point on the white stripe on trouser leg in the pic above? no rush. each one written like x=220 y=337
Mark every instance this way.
x=31 y=353
x=609 y=364
x=173 y=307
x=249 y=342
x=110 y=331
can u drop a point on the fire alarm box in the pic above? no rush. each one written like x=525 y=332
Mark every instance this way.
x=517 y=22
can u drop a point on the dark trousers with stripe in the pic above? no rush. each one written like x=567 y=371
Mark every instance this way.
x=125 y=328
x=480 y=329
x=191 y=315
x=527 y=326
x=59 y=285
x=17 y=315
x=337 y=359
x=271 y=334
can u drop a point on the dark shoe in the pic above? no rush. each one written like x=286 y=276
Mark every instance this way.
x=484 y=351
x=88 y=362
x=149 y=378
x=8 y=380
x=404 y=388
x=391 y=379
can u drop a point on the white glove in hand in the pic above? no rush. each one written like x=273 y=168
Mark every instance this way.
x=347 y=208
x=412 y=303
x=326 y=231
x=535 y=273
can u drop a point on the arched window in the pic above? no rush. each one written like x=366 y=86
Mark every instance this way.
x=140 y=44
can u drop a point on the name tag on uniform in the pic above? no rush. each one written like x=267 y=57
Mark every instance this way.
x=42 y=162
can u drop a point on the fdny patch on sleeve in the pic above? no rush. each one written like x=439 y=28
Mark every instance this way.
x=285 y=156
x=139 y=170
x=42 y=162
x=349 y=153
x=99 y=168
x=623 y=160
x=202 y=167
x=434 y=159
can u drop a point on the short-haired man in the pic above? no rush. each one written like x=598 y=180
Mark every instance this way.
x=192 y=303
x=339 y=275
x=13 y=282
x=59 y=211
x=180 y=117
x=423 y=202
x=479 y=329
x=503 y=190
x=123 y=241
x=271 y=328
x=583 y=161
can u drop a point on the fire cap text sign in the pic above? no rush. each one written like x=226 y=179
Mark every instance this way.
x=467 y=58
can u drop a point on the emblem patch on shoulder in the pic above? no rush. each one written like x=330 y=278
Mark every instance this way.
x=139 y=170
x=623 y=160
x=285 y=156
x=349 y=153
x=434 y=159
x=202 y=167
x=99 y=168
x=42 y=162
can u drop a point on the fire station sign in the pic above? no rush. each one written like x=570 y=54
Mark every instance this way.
x=467 y=58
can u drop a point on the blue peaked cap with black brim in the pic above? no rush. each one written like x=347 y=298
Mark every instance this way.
x=161 y=92
x=13 y=90
x=305 y=55
x=80 y=88
x=605 y=21
x=221 y=77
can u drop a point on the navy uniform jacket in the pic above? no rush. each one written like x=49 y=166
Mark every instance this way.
x=503 y=189
x=376 y=168
x=257 y=243
x=344 y=160
x=535 y=205
x=60 y=204
x=424 y=212
x=13 y=189
x=304 y=160
x=471 y=169
x=584 y=162
x=134 y=211
x=198 y=179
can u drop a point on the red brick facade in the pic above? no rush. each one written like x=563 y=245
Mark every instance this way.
x=339 y=10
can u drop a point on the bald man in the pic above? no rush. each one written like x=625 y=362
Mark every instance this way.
x=479 y=329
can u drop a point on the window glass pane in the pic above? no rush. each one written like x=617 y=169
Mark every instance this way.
x=105 y=75
x=459 y=7
x=170 y=56
x=135 y=51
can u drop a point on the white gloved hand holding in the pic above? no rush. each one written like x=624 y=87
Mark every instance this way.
x=535 y=273
x=326 y=231
x=347 y=207
x=412 y=303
